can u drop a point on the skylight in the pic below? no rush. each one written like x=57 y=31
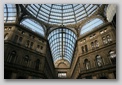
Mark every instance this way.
x=33 y=26
x=91 y=25
x=61 y=14
x=62 y=42
x=9 y=13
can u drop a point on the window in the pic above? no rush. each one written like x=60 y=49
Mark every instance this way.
x=84 y=40
x=31 y=45
x=10 y=13
x=5 y=28
x=99 y=61
x=105 y=30
x=38 y=48
x=27 y=43
x=87 y=64
x=83 y=49
x=101 y=32
x=90 y=25
x=112 y=56
x=23 y=32
x=20 y=39
x=86 y=49
x=37 y=64
x=9 y=28
x=62 y=75
x=104 y=40
x=109 y=38
x=26 y=60
x=92 y=45
x=96 y=44
x=92 y=36
x=41 y=47
x=11 y=57
x=16 y=38
x=33 y=26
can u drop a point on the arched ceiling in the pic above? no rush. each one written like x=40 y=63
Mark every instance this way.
x=61 y=14
x=62 y=63
x=62 y=43
x=10 y=13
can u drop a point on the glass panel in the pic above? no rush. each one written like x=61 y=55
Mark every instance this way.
x=61 y=13
x=62 y=44
x=99 y=60
x=10 y=13
x=90 y=25
x=33 y=26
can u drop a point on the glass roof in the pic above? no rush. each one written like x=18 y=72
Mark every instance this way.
x=33 y=26
x=61 y=14
x=91 y=25
x=9 y=13
x=62 y=43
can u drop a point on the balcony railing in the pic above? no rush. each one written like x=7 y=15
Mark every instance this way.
x=98 y=69
x=21 y=67
x=24 y=47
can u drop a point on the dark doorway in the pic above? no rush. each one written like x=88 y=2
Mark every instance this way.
x=103 y=77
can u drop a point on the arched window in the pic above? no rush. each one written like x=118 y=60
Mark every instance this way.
x=104 y=40
x=37 y=64
x=27 y=43
x=26 y=60
x=99 y=61
x=112 y=56
x=10 y=13
x=6 y=36
x=31 y=45
x=82 y=49
x=33 y=26
x=90 y=25
x=108 y=38
x=87 y=64
x=11 y=57
x=92 y=45
x=96 y=44
x=20 y=39
x=38 y=48
x=86 y=49
x=16 y=38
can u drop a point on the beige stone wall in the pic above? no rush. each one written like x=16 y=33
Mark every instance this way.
x=102 y=50
x=22 y=50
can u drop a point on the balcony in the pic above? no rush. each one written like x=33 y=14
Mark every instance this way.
x=96 y=69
